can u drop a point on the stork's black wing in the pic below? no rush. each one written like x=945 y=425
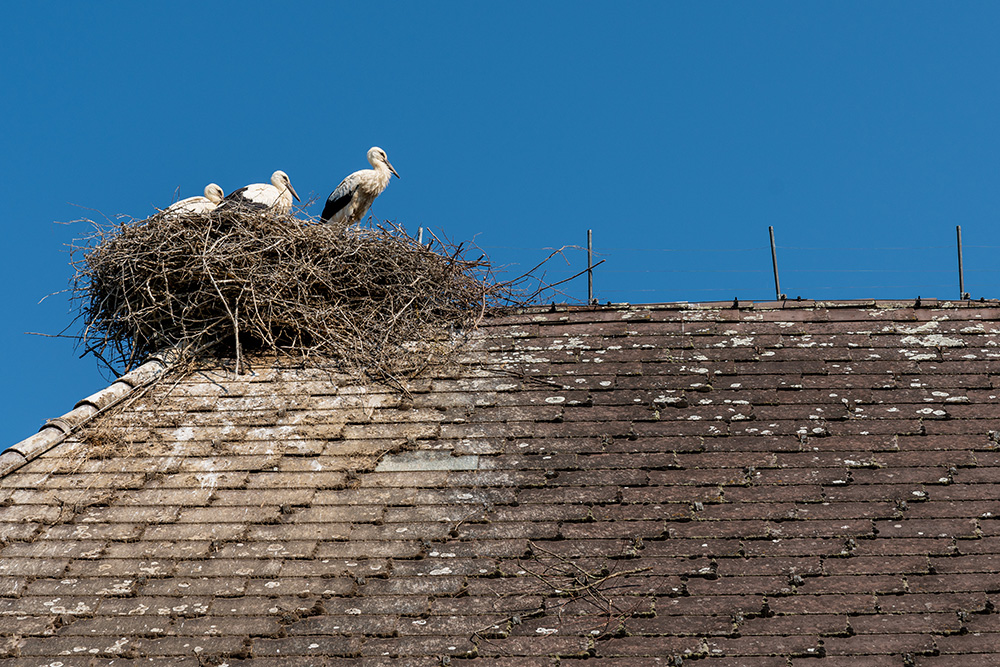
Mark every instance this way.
x=238 y=198
x=340 y=197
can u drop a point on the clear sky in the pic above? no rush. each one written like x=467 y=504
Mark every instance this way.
x=863 y=132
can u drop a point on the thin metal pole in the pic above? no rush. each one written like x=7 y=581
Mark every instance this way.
x=774 y=264
x=590 y=266
x=961 y=273
x=420 y=235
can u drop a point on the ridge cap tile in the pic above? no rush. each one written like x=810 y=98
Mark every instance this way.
x=57 y=429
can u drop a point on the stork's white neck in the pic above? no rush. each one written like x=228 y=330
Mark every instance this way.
x=382 y=174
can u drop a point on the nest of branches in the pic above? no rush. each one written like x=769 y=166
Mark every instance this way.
x=245 y=280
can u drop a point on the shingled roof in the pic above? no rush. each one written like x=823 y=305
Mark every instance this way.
x=786 y=484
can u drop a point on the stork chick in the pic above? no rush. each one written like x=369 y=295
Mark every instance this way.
x=277 y=194
x=350 y=201
x=198 y=205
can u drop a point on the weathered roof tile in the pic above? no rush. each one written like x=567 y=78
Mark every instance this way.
x=797 y=483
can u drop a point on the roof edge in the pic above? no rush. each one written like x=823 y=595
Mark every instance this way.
x=785 y=304
x=56 y=430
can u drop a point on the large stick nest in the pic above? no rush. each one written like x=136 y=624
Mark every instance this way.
x=245 y=280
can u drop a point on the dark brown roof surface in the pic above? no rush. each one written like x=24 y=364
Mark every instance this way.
x=804 y=486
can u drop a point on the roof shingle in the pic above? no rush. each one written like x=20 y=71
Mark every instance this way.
x=776 y=484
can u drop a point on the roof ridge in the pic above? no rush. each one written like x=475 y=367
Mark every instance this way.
x=56 y=430
x=766 y=304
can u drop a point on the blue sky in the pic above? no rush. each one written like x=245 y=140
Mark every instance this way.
x=678 y=132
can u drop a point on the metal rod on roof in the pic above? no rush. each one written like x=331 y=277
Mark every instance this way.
x=962 y=294
x=590 y=266
x=774 y=263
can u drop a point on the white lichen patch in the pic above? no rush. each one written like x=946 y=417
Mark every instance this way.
x=117 y=646
x=208 y=480
x=919 y=356
x=932 y=340
x=922 y=328
x=184 y=434
x=123 y=587
x=524 y=359
x=56 y=608
x=571 y=343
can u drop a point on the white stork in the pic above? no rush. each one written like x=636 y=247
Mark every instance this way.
x=277 y=194
x=198 y=205
x=350 y=201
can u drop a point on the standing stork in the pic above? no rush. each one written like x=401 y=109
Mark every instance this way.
x=350 y=201
x=277 y=194
x=198 y=205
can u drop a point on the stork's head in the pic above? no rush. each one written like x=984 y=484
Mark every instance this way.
x=214 y=193
x=279 y=179
x=377 y=156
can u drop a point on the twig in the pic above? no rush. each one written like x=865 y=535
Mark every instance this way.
x=575 y=275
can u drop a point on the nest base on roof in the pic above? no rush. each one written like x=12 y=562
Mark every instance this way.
x=248 y=280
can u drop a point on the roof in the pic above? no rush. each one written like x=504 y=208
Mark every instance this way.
x=801 y=484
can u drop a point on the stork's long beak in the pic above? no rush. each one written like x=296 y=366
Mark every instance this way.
x=390 y=168
x=294 y=193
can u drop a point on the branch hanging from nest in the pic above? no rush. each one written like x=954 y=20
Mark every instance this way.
x=247 y=280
